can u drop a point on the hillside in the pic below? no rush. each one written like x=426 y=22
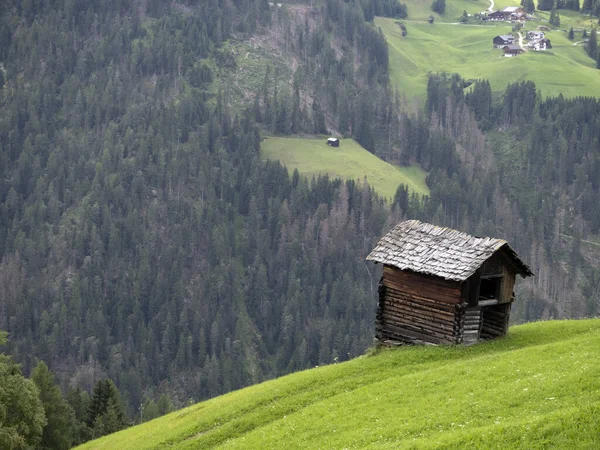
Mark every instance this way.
x=312 y=157
x=538 y=388
x=467 y=50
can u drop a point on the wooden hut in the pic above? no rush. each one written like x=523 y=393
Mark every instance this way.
x=333 y=142
x=441 y=286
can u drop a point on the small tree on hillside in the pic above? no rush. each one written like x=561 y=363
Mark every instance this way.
x=528 y=5
x=592 y=45
x=439 y=6
x=106 y=411
x=571 y=34
x=464 y=18
x=554 y=18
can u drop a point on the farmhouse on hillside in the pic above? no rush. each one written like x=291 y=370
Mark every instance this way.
x=442 y=286
x=511 y=13
x=514 y=13
x=512 y=50
x=502 y=40
x=539 y=44
x=333 y=142
x=531 y=35
x=496 y=15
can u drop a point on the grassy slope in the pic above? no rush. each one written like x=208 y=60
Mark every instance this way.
x=348 y=161
x=467 y=50
x=537 y=388
x=420 y=10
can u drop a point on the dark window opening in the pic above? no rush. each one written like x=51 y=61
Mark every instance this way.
x=489 y=288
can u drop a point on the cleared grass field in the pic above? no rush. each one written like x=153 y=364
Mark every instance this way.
x=467 y=50
x=348 y=161
x=420 y=10
x=538 y=388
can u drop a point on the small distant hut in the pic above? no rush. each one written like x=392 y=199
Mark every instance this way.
x=512 y=50
x=333 y=142
x=442 y=286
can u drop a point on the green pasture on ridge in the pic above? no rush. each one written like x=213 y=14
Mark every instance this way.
x=313 y=157
x=537 y=388
x=468 y=51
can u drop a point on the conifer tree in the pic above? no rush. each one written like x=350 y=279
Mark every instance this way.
x=106 y=412
x=60 y=416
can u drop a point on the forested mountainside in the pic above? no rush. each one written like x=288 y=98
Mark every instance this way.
x=143 y=239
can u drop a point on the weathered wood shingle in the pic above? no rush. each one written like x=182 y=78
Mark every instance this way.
x=438 y=251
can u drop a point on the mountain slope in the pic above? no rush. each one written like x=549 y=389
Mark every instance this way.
x=537 y=388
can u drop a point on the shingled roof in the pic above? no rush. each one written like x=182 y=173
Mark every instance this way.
x=438 y=251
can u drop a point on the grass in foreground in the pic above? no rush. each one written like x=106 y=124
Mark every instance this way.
x=537 y=388
x=467 y=50
x=348 y=161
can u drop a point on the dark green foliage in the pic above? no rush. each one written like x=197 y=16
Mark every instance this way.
x=106 y=412
x=571 y=35
x=568 y=4
x=528 y=5
x=200 y=75
x=545 y=5
x=464 y=18
x=439 y=6
x=480 y=101
x=80 y=403
x=402 y=27
x=554 y=18
x=60 y=417
x=22 y=418
x=592 y=45
x=389 y=8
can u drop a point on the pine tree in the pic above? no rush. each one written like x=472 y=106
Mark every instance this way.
x=592 y=45
x=60 y=416
x=106 y=411
x=80 y=402
x=554 y=18
x=571 y=34
x=439 y=6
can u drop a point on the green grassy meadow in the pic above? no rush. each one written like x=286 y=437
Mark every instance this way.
x=313 y=157
x=467 y=50
x=538 y=388
x=419 y=10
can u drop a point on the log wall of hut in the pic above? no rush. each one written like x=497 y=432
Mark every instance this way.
x=494 y=321
x=417 y=308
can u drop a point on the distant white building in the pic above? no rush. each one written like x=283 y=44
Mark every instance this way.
x=532 y=35
x=539 y=44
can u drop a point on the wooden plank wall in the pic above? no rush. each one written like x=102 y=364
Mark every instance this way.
x=494 y=321
x=508 y=284
x=418 y=308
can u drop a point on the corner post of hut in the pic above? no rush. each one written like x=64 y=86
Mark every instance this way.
x=442 y=286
